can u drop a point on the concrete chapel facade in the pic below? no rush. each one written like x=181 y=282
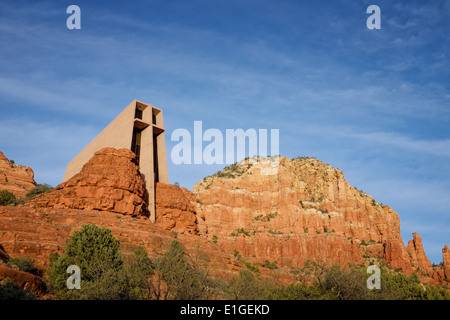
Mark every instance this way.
x=139 y=128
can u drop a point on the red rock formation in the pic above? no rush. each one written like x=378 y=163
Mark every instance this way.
x=446 y=262
x=175 y=209
x=308 y=209
x=110 y=181
x=25 y=280
x=16 y=179
x=417 y=255
x=38 y=232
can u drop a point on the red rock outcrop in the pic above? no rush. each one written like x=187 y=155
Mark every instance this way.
x=25 y=280
x=417 y=255
x=175 y=209
x=16 y=179
x=110 y=181
x=307 y=208
x=446 y=262
x=38 y=232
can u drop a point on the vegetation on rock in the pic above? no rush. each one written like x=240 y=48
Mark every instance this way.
x=105 y=274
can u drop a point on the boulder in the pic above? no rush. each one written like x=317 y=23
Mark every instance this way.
x=110 y=181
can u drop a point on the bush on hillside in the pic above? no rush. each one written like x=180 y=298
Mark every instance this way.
x=7 y=198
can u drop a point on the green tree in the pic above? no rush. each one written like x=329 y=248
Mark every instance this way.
x=184 y=282
x=98 y=255
x=245 y=287
x=105 y=274
x=344 y=284
x=436 y=293
x=139 y=270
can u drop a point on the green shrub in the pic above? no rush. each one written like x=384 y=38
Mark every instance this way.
x=7 y=198
x=269 y=265
x=184 y=281
x=39 y=189
x=265 y=218
x=11 y=291
x=97 y=253
x=240 y=231
x=22 y=264
x=245 y=287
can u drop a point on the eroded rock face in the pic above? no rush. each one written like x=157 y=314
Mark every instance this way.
x=38 y=232
x=175 y=209
x=110 y=181
x=305 y=211
x=16 y=179
x=396 y=254
x=25 y=280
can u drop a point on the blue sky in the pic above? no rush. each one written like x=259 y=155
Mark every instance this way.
x=373 y=103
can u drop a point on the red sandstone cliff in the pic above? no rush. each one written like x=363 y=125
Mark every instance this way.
x=16 y=179
x=305 y=211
